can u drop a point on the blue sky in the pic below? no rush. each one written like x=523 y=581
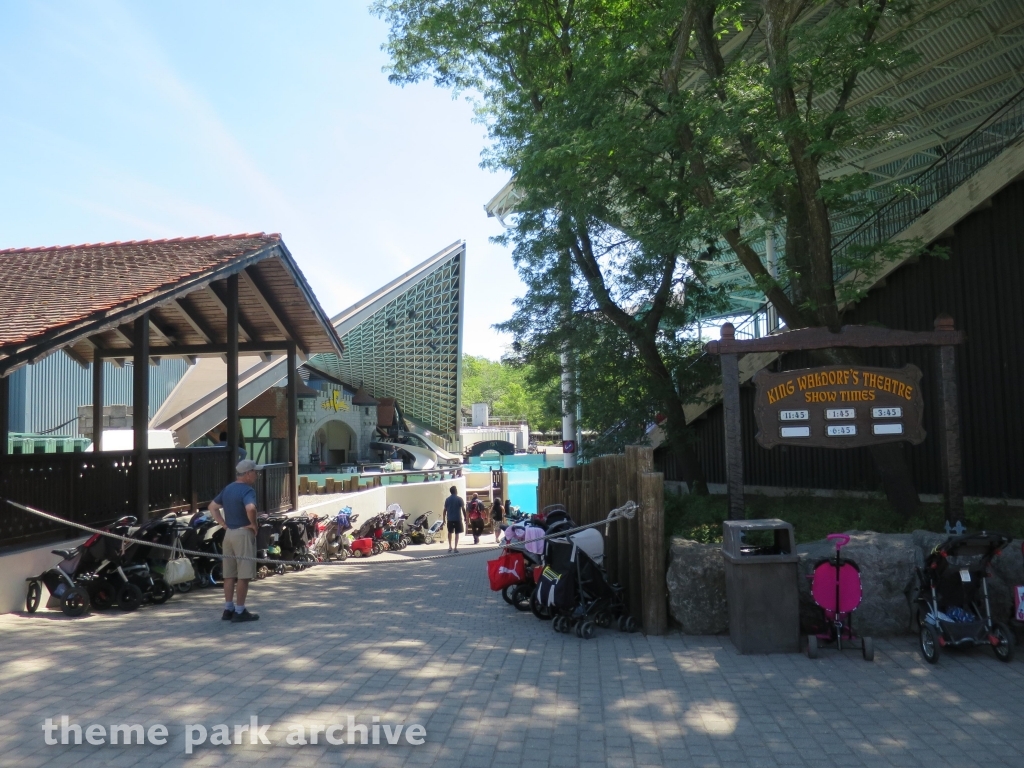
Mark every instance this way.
x=125 y=121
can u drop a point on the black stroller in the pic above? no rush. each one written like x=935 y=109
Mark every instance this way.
x=954 y=609
x=419 y=531
x=574 y=587
x=204 y=534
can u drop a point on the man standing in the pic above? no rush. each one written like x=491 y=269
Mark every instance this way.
x=238 y=501
x=455 y=515
x=476 y=518
x=497 y=518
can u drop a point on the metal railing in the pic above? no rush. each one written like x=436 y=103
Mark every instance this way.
x=978 y=148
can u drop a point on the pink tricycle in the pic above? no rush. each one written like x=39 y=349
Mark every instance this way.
x=836 y=589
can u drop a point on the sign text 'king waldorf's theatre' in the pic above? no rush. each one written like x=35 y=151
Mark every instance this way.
x=839 y=406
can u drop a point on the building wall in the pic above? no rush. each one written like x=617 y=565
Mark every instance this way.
x=980 y=284
x=47 y=394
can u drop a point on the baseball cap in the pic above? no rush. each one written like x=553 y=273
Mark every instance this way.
x=245 y=465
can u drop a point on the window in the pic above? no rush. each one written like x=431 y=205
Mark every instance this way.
x=256 y=435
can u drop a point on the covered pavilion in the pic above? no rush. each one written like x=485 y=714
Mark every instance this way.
x=142 y=301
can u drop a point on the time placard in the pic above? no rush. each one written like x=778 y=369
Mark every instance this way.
x=887 y=429
x=841 y=430
x=794 y=415
x=794 y=432
x=886 y=413
x=840 y=413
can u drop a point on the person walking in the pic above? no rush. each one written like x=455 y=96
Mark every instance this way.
x=455 y=515
x=238 y=502
x=497 y=518
x=476 y=518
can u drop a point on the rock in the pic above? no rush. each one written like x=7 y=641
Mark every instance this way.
x=926 y=541
x=888 y=579
x=696 y=587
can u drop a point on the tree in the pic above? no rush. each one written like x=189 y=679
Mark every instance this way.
x=638 y=144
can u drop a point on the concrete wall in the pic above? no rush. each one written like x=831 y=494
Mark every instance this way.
x=417 y=498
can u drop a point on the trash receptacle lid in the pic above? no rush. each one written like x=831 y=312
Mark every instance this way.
x=758 y=541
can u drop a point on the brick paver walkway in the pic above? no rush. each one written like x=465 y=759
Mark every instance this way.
x=430 y=644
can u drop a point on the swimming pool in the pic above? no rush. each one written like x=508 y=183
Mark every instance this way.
x=522 y=474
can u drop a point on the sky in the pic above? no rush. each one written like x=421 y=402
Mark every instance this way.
x=126 y=121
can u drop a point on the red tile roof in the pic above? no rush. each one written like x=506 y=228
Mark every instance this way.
x=47 y=288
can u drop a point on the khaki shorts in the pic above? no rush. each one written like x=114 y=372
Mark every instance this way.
x=239 y=542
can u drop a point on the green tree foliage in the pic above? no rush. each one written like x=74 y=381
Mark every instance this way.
x=645 y=135
x=511 y=391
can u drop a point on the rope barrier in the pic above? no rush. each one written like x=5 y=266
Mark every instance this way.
x=626 y=511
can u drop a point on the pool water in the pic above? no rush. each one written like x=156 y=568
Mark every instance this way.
x=522 y=474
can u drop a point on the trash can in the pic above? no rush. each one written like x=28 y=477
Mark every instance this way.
x=761 y=586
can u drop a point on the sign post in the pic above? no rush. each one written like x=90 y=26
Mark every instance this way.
x=841 y=406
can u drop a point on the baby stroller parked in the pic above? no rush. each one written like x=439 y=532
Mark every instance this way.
x=419 y=531
x=954 y=601
x=836 y=589
x=575 y=588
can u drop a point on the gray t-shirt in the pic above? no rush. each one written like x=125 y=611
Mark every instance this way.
x=234 y=498
x=453 y=507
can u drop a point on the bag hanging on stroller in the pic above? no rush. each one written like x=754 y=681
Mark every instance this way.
x=507 y=570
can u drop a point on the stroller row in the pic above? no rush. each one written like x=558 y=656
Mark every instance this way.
x=338 y=538
x=559 y=576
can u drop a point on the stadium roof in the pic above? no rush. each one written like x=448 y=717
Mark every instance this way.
x=404 y=341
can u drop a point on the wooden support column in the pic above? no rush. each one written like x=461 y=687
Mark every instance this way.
x=733 y=429
x=5 y=413
x=97 y=403
x=232 y=379
x=140 y=415
x=652 y=552
x=952 y=474
x=293 y=429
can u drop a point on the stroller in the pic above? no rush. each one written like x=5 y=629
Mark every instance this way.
x=331 y=541
x=368 y=540
x=419 y=531
x=525 y=539
x=955 y=611
x=836 y=589
x=204 y=535
x=574 y=587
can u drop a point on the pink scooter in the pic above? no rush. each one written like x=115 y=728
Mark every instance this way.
x=836 y=589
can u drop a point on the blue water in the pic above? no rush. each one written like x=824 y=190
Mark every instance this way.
x=522 y=474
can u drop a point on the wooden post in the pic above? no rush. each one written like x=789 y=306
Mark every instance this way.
x=193 y=484
x=97 y=403
x=293 y=428
x=652 y=552
x=950 y=440
x=232 y=378
x=733 y=429
x=140 y=415
x=5 y=414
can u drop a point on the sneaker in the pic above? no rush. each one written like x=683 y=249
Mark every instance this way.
x=449 y=550
x=228 y=615
x=456 y=551
x=238 y=618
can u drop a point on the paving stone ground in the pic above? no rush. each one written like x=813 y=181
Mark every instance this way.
x=429 y=643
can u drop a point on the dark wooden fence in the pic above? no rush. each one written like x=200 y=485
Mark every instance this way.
x=97 y=488
x=634 y=549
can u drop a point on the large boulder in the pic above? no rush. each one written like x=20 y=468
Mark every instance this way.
x=696 y=587
x=887 y=567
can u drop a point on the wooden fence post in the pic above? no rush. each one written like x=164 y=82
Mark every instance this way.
x=651 y=519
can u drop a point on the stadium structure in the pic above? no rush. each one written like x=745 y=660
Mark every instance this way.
x=396 y=382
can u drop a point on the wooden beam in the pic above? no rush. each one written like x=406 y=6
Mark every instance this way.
x=293 y=428
x=859 y=336
x=266 y=301
x=190 y=316
x=204 y=350
x=161 y=334
x=140 y=416
x=231 y=306
x=122 y=336
x=76 y=356
x=97 y=404
x=5 y=413
x=245 y=331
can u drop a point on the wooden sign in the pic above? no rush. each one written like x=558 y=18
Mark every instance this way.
x=839 y=406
